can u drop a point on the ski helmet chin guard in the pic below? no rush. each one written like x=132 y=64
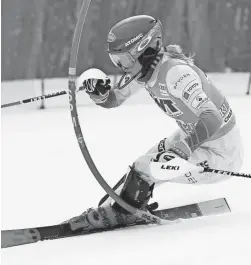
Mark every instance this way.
x=133 y=44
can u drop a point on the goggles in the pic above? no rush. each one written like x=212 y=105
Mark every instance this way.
x=123 y=60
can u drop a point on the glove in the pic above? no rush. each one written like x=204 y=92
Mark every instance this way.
x=180 y=148
x=96 y=84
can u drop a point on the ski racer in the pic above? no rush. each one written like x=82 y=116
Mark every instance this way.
x=207 y=124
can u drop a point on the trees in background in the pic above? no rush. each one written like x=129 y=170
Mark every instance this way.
x=37 y=34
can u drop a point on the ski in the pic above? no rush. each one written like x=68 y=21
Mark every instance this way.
x=10 y=238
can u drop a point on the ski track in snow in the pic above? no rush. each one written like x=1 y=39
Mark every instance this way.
x=45 y=181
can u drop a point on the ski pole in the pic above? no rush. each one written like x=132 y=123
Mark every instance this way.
x=34 y=99
x=211 y=170
x=229 y=173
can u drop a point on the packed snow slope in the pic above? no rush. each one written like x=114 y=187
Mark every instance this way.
x=45 y=181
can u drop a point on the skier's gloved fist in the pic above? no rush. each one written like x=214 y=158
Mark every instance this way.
x=96 y=84
x=179 y=148
x=97 y=89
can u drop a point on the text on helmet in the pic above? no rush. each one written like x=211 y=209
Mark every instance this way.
x=133 y=40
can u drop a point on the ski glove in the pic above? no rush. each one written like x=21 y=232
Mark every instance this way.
x=97 y=89
x=179 y=148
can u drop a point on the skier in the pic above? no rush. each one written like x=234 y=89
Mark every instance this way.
x=207 y=125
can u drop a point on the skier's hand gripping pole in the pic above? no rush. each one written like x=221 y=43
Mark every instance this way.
x=177 y=167
x=93 y=81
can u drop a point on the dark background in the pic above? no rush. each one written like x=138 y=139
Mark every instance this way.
x=37 y=34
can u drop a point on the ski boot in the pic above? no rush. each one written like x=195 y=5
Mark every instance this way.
x=136 y=192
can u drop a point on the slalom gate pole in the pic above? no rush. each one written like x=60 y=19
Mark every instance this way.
x=78 y=131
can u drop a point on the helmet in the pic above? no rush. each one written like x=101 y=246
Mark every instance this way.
x=135 y=39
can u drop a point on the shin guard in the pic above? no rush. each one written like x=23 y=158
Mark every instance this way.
x=136 y=191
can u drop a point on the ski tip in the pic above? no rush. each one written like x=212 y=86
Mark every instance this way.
x=11 y=238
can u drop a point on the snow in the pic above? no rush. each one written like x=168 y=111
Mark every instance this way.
x=45 y=181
